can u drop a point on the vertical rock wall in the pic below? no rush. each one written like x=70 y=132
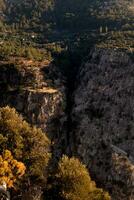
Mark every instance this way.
x=103 y=120
x=37 y=92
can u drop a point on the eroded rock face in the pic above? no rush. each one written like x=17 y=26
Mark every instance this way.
x=37 y=92
x=103 y=120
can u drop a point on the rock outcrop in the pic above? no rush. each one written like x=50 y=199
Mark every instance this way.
x=103 y=120
x=37 y=92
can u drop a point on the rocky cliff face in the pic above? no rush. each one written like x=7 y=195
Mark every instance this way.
x=103 y=120
x=36 y=91
x=101 y=117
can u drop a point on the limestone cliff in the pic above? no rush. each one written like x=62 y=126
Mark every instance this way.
x=100 y=114
x=37 y=91
x=103 y=120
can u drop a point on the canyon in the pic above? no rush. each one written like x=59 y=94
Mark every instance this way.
x=87 y=113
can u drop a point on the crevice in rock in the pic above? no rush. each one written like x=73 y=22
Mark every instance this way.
x=71 y=80
x=70 y=69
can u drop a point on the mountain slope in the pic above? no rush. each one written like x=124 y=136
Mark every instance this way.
x=69 y=14
x=102 y=119
x=67 y=66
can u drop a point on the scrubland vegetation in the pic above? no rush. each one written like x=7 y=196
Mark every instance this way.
x=25 y=155
x=62 y=32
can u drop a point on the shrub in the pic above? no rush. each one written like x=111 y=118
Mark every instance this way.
x=72 y=182
x=10 y=169
x=27 y=144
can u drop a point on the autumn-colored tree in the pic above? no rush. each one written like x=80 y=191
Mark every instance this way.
x=27 y=144
x=10 y=169
x=72 y=182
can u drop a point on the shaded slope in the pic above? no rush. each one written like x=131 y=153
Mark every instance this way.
x=103 y=119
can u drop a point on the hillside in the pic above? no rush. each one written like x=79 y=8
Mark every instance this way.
x=102 y=119
x=52 y=15
x=68 y=22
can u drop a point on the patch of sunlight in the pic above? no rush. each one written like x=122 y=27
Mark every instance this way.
x=43 y=90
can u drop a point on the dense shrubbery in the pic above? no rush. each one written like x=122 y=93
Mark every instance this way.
x=72 y=181
x=69 y=181
x=29 y=14
x=27 y=144
x=60 y=19
x=10 y=169
x=46 y=15
x=12 y=48
x=118 y=39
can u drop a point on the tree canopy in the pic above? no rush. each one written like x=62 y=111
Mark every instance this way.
x=10 y=169
x=27 y=144
x=72 y=181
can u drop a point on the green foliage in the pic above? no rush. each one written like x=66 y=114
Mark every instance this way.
x=17 y=49
x=123 y=40
x=77 y=24
x=27 y=144
x=72 y=182
x=50 y=15
x=29 y=14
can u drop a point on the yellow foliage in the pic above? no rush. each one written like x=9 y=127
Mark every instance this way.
x=10 y=169
x=28 y=144
x=72 y=182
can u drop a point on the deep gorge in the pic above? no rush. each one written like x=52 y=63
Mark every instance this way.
x=83 y=110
